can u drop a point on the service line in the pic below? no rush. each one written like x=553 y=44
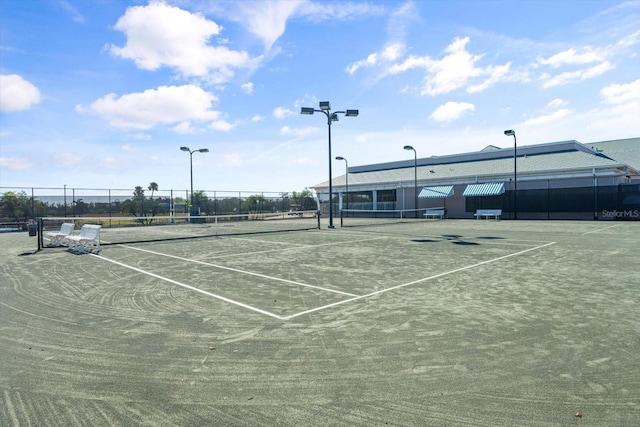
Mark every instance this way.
x=235 y=270
x=599 y=229
x=418 y=281
x=192 y=288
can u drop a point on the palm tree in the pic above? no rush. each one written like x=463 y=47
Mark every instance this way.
x=138 y=192
x=153 y=187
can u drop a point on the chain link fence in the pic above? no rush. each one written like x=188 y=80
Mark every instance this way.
x=23 y=205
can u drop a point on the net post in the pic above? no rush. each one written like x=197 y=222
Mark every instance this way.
x=318 y=217
x=39 y=237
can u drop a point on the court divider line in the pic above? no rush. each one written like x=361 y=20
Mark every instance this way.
x=192 y=288
x=296 y=248
x=235 y=270
x=417 y=281
x=600 y=229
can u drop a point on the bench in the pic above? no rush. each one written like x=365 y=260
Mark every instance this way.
x=56 y=237
x=488 y=213
x=434 y=213
x=88 y=241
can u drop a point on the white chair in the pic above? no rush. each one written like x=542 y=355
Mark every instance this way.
x=88 y=241
x=57 y=237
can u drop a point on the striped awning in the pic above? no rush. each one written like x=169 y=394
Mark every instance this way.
x=488 y=189
x=436 y=192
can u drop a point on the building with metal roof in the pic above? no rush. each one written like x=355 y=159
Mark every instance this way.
x=558 y=180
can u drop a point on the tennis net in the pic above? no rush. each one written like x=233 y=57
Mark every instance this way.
x=370 y=217
x=120 y=230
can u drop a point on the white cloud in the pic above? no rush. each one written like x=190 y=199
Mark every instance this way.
x=450 y=111
x=496 y=75
x=281 y=113
x=572 y=56
x=618 y=94
x=556 y=103
x=129 y=148
x=162 y=35
x=17 y=94
x=221 y=125
x=548 y=118
x=184 y=128
x=257 y=118
x=247 y=88
x=577 y=76
x=390 y=53
x=455 y=70
x=337 y=11
x=395 y=47
x=165 y=105
x=614 y=118
x=15 y=163
x=297 y=132
x=267 y=19
x=76 y=16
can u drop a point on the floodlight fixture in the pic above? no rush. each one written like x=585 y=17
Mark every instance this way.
x=188 y=150
x=325 y=108
x=415 y=175
x=346 y=174
x=511 y=132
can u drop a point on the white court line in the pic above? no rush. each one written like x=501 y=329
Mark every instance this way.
x=599 y=229
x=166 y=279
x=235 y=270
x=296 y=248
x=417 y=281
x=303 y=245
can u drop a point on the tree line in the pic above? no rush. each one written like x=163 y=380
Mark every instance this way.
x=18 y=207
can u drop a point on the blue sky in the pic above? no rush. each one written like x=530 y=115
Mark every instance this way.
x=102 y=93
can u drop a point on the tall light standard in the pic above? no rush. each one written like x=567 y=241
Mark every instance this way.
x=325 y=108
x=510 y=132
x=200 y=150
x=346 y=174
x=415 y=175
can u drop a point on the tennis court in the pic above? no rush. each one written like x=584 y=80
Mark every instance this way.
x=465 y=322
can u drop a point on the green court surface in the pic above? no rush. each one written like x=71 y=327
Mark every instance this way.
x=424 y=323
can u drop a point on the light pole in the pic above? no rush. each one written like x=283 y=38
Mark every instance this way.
x=346 y=174
x=415 y=175
x=325 y=108
x=200 y=150
x=515 y=172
